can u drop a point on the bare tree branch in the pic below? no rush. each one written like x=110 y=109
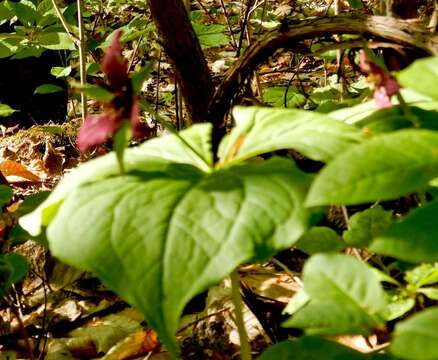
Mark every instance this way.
x=406 y=33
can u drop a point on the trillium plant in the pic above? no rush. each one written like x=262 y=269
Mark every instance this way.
x=121 y=110
x=175 y=222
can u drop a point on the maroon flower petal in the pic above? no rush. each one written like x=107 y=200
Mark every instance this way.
x=391 y=85
x=96 y=130
x=115 y=66
x=139 y=129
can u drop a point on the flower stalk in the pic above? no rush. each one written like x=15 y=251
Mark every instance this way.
x=245 y=348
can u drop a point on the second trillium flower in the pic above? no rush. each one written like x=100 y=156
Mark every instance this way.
x=380 y=80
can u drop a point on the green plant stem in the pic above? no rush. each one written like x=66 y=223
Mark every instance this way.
x=82 y=58
x=245 y=349
x=407 y=111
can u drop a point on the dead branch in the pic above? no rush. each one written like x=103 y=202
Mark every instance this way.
x=406 y=33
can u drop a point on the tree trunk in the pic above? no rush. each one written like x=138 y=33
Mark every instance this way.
x=182 y=46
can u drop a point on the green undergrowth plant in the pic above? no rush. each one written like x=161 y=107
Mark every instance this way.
x=175 y=222
x=35 y=29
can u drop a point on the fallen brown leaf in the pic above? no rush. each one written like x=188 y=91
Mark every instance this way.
x=11 y=168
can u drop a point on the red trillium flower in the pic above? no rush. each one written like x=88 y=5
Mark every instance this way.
x=380 y=80
x=124 y=105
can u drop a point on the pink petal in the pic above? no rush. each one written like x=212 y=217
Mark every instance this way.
x=115 y=66
x=96 y=130
x=382 y=98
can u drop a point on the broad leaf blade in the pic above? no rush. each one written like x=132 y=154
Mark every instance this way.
x=48 y=89
x=424 y=274
x=60 y=72
x=56 y=41
x=211 y=35
x=398 y=305
x=345 y=297
x=430 y=292
x=159 y=238
x=320 y=239
x=24 y=10
x=311 y=348
x=412 y=239
x=393 y=118
x=262 y=130
x=153 y=155
x=417 y=337
x=364 y=226
x=421 y=76
x=173 y=149
x=277 y=97
x=382 y=168
x=297 y=302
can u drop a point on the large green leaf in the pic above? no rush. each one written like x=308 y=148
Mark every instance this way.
x=430 y=292
x=262 y=130
x=393 y=118
x=417 y=337
x=421 y=76
x=9 y=44
x=300 y=299
x=356 y=114
x=382 y=168
x=314 y=348
x=24 y=10
x=421 y=275
x=158 y=238
x=364 y=226
x=275 y=96
x=345 y=297
x=398 y=305
x=212 y=35
x=320 y=239
x=56 y=41
x=153 y=155
x=412 y=239
x=171 y=147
